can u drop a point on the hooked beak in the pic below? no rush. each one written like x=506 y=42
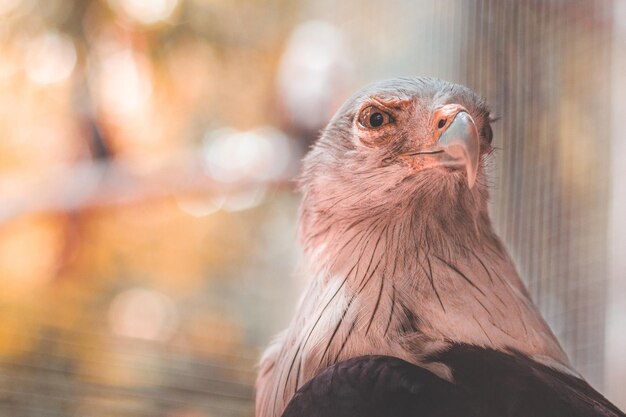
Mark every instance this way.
x=460 y=142
x=456 y=144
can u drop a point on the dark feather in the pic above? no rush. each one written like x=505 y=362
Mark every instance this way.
x=487 y=383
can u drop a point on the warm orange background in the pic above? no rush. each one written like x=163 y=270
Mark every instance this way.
x=147 y=217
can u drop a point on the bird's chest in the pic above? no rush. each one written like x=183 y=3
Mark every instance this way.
x=377 y=317
x=410 y=316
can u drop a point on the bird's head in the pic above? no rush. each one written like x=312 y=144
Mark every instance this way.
x=413 y=144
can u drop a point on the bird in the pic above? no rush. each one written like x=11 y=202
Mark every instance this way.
x=413 y=306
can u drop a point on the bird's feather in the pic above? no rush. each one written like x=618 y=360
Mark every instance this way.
x=486 y=383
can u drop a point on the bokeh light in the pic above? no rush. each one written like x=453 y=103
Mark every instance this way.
x=51 y=58
x=258 y=155
x=123 y=83
x=143 y=314
x=314 y=70
x=146 y=11
x=7 y=6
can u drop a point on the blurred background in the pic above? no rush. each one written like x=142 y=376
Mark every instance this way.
x=147 y=212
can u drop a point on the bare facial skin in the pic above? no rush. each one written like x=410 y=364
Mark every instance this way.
x=399 y=251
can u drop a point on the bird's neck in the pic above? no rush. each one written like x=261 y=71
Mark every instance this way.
x=402 y=285
x=425 y=277
x=398 y=234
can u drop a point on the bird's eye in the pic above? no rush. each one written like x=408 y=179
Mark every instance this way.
x=372 y=117
x=487 y=133
x=377 y=119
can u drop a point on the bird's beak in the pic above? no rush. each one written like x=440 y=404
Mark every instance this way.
x=459 y=140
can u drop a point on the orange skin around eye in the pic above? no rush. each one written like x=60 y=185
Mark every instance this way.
x=365 y=118
x=446 y=115
x=376 y=136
